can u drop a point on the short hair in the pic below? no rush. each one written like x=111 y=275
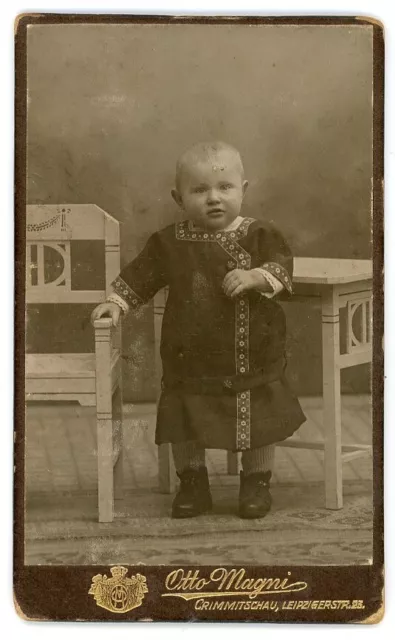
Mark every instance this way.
x=205 y=151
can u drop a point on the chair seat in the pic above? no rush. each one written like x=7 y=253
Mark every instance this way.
x=62 y=376
x=63 y=365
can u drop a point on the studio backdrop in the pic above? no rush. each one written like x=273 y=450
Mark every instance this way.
x=110 y=108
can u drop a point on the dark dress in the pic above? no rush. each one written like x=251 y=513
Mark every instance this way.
x=223 y=359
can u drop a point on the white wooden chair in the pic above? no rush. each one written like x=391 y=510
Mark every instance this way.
x=92 y=379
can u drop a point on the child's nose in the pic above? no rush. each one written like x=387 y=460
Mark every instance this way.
x=213 y=195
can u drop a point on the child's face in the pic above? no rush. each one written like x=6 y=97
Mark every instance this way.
x=211 y=191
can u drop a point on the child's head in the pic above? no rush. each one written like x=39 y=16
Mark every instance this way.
x=210 y=184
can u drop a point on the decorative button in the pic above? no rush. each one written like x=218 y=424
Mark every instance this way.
x=228 y=383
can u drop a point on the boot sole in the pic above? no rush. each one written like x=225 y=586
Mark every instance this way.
x=255 y=516
x=180 y=515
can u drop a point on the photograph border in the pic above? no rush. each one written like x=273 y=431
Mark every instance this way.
x=69 y=598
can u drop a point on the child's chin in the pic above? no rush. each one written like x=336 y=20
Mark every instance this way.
x=217 y=222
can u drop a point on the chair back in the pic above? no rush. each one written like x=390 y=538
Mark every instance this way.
x=52 y=233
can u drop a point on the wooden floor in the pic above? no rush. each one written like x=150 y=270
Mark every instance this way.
x=61 y=448
x=61 y=503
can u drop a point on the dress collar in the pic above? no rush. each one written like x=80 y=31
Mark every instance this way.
x=231 y=227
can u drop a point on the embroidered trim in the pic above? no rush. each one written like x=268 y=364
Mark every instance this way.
x=229 y=243
x=242 y=355
x=243 y=434
x=243 y=423
x=242 y=334
x=280 y=273
x=242 y=322
x=186 y=231
x=122 y=289
x=243 y=228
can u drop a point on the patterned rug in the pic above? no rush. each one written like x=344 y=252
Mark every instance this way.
x=63 y=529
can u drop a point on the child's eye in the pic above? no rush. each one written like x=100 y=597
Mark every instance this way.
x=226 y=187
x=199 y=190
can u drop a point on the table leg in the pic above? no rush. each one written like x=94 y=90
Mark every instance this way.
x=167 y=473
x=232 y=463
x=332 y=399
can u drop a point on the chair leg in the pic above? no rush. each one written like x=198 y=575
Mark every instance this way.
x=233 y=463
x=105 y=439
x=117 y=418
x=105 y=469
x=167 y=473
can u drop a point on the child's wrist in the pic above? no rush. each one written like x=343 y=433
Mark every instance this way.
x=260 y=282
x=117 y=301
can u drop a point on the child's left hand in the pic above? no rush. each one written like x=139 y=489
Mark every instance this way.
x=239 y=280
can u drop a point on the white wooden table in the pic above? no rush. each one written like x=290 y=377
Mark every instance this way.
x=337 y=283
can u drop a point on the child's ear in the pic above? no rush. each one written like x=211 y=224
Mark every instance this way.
x=177 y=197
x=245 y=186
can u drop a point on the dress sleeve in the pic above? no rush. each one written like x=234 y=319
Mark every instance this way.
x=276 y=285
x=139 y=280
x=276 y=257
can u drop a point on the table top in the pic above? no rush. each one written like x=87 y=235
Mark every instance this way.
x=331 y=270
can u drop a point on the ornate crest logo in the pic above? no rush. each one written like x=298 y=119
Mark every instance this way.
x=118 y=593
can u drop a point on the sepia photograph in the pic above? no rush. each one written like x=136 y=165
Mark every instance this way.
x=213 y=387
x=198 y=337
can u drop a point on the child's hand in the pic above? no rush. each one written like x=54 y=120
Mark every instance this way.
x=107 y=309
x=239 y=280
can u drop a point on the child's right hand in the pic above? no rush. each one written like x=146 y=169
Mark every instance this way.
x=107 y=309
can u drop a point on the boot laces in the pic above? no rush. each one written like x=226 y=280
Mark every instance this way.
x=256 y=484
x=262 y=483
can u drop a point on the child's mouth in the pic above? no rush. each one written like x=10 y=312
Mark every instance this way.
x=214 y=213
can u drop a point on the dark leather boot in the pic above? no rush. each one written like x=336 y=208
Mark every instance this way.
x=254 y=498
x=193 y=497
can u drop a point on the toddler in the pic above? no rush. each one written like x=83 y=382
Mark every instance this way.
x=223 y=331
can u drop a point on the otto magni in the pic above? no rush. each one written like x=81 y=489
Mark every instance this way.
x=190 y=584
